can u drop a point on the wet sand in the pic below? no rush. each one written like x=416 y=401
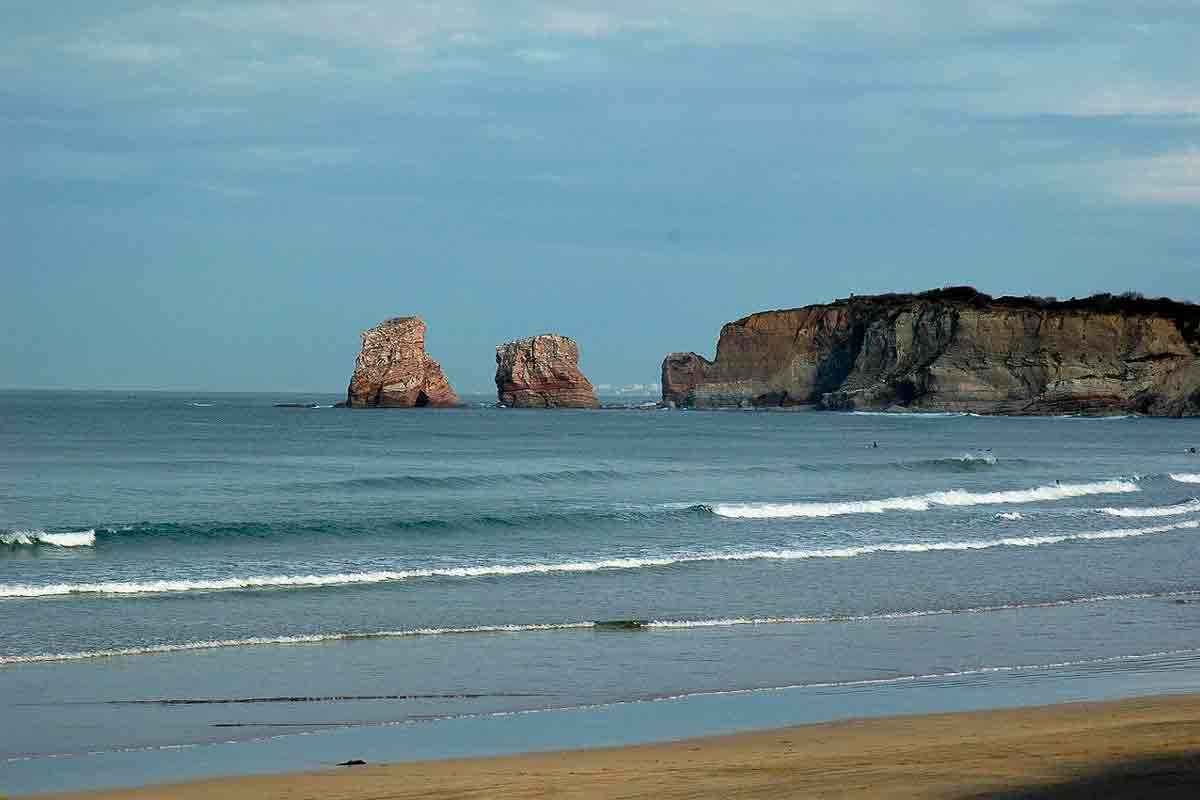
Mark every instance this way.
x=1139 y=748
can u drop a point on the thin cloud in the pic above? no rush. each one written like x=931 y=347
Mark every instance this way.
x=538 y=56
x=123 y=52
x=295 y=158
x=1140 y=100
x=1166 y=179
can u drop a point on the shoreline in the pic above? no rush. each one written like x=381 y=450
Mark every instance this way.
x=1134 y=747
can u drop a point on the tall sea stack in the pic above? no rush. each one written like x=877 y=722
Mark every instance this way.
x=542 y=372
x=955 y=349
x=394 y=371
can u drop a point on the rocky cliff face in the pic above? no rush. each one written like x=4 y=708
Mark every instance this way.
x=542 y=372
x=394 y=371
x=955 y=350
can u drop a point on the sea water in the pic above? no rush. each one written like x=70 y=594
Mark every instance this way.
x=208 y=584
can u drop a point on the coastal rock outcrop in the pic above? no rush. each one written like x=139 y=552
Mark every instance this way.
x=542 y=372
x=394 y=371
x=954 y=349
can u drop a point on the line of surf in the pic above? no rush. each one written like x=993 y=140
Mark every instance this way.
x=923 y=502
x=651 y=624
x=1189 y=507
x=1185 y=477
x=259 y=582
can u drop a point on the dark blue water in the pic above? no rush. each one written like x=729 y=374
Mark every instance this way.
x=324 y=571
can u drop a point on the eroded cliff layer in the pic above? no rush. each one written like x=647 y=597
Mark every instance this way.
x=542 y=372
x=394 y=371
x=955 y=350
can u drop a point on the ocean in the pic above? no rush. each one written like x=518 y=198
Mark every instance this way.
x=199 y=584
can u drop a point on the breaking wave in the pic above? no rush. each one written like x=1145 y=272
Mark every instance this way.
x=257 y=582
x=1185 y=477
x=35 y=538
x=923 y=502
x=913 y=414
x=201 y=531
x=1190 y=507
x=650 y=624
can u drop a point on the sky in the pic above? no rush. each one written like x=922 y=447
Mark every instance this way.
x=221 y=195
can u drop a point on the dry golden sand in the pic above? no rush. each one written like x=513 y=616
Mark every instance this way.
x=1141 y=748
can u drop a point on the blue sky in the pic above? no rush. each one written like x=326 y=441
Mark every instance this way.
x=221 y=195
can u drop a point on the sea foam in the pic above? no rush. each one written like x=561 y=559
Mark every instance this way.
x=1185 y=477
x=922 y=502
x=257 y=582
x=33 y=538
x=1190 y=507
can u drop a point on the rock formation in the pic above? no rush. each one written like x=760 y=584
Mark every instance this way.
x=542 y=372
x=955 y=349
x=394 y=371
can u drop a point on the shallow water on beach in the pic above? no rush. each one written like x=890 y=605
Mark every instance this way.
x=186 y=571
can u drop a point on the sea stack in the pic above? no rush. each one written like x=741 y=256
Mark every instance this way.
x=542 y=372
x=955 y=349
x=394 y=371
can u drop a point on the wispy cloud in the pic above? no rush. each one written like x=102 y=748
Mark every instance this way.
x=1166 y=179
x=118 y=51
x=538 y=55
x=1139 y=100
x=56 y=162
x=291 y=158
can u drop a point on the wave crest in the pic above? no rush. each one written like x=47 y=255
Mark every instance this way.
x=1190 y=507
x=923 y=502
x=258 y=582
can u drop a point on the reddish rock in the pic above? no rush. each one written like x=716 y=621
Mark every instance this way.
x=394 y=371
x=542 y=372
x=955 y=349
x=681 y=373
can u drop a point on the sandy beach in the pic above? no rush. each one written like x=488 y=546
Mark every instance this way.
x=1138 y=748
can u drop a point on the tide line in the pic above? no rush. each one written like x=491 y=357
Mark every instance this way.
x=627 y=625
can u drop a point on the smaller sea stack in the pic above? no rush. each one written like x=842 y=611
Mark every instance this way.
x=394 y=371
x=542 y=372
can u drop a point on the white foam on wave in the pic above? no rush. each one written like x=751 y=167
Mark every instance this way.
x=913 y=414
x=33 y=538
x=1010 y=516
x=664 y=624
x=1185 y=477
x=936 y=675
x=982 y=458
x=1190 y=507
x=922 y=502
x=253 y=582
x=315 y=638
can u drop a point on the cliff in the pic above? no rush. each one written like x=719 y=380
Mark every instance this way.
x=954 y=349
x=542 y=372
x=393 y=370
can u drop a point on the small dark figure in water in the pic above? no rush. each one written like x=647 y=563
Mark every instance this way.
x=1057 y=482
x=874 y=445
x=1192 y=450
